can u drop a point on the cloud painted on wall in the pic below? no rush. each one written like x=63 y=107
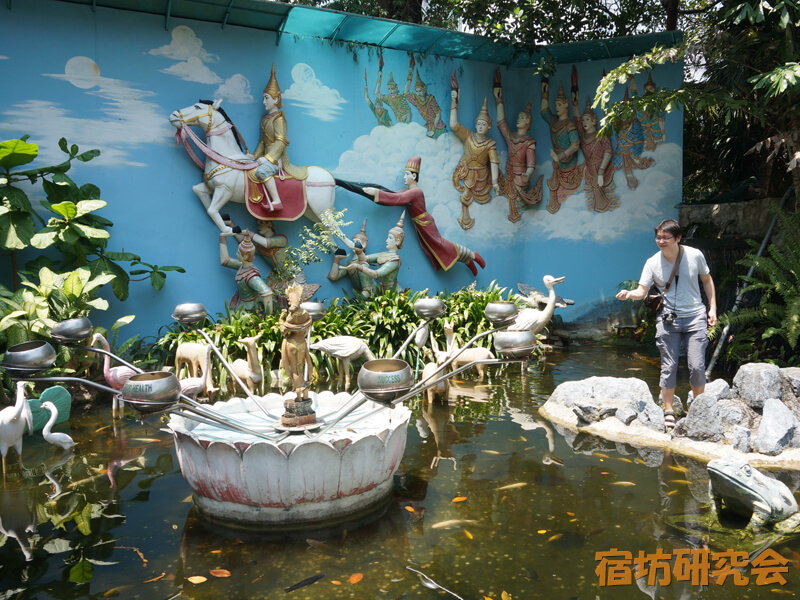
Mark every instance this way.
x=3 y=57
x=236 y=89
x=187 y=48
x=314 y=97
x=128 y=121
x=381 y=156
x=193 y=69
x=184 y=45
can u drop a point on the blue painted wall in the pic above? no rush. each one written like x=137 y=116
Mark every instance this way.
x=109 y=79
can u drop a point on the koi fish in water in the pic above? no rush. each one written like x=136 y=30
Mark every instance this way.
x=304 y=583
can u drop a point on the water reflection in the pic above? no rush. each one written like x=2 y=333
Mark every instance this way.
x=490 y=497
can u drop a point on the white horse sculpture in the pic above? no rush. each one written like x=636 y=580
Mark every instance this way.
x=226 y=164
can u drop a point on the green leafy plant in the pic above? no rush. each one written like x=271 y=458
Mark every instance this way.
x=776 y=277
x=79 y=235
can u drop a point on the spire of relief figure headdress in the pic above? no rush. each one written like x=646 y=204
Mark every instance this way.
x=391 y=80
x=419 y=84
x=273 y=89
x=414 y=163
x=398 y=232
x=650 y=81
x=589 y=111
x=246 y=247
x=561 y=94
x=484 y=114
x=528 y=107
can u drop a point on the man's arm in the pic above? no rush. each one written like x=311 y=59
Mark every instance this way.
x=708 y=286
x=638 y=294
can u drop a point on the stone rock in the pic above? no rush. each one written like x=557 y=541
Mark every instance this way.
x=703 y=421
x=613 y=391
x=791 y=380
x=778 y=430
x=735 y=412
x=592 y=411
x=790 y=393
x=627 y=414
x=741 y=439
x=756 y=382
x=718 y=388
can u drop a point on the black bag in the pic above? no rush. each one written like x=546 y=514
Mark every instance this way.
x=655 y=302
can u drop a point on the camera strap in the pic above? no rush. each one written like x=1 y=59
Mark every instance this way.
x=672 y=276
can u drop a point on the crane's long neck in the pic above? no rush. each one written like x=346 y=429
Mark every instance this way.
x=50 y=422
x=19 y=405
x=106 y=358
x=207 y=366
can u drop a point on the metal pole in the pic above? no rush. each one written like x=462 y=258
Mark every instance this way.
x=764 y=243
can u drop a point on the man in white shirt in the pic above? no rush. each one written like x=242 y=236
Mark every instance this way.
x=683 y=315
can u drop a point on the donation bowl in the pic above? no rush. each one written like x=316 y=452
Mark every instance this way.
x=384 y=380
x=514 y=344
x=32 y=357
x=315 y=309
x=501 y=312
x=151 y=392
x=428 y=308
x=189 y=313
x=72 y=331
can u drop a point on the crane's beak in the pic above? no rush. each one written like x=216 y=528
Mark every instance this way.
x=558 y=279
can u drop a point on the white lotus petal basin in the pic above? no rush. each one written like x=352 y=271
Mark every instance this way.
x=244 y=480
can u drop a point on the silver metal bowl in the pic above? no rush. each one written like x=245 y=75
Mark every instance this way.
x=428 y=308
x=385 y=379
x=72 y=331
x=32 y=356
x=189 y=313
x=501 y=312
x=514 y=344
x=317 y=310
x=151 y=392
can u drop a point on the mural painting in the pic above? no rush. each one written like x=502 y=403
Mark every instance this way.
x=116 y=97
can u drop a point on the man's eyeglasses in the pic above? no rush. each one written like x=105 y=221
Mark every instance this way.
x=664 y=239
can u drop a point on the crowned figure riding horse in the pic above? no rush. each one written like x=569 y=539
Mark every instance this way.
x=229 y=173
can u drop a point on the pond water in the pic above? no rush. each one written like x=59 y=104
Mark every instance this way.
x=490 y=498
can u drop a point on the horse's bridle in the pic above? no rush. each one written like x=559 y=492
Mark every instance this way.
x=209 y=127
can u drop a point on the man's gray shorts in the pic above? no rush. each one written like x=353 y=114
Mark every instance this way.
x=694 y=331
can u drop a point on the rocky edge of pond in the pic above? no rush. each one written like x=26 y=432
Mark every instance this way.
x=757 y=417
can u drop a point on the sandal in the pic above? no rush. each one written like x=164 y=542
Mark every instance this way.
x=669 y=420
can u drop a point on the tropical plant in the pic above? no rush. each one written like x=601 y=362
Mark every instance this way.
x=383 y=322
x=79 y=235
x=776 y=277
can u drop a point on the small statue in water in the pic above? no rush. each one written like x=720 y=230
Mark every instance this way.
x=295 y=324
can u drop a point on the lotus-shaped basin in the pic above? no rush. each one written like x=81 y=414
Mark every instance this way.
x=296 y=482
x=385 y=379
